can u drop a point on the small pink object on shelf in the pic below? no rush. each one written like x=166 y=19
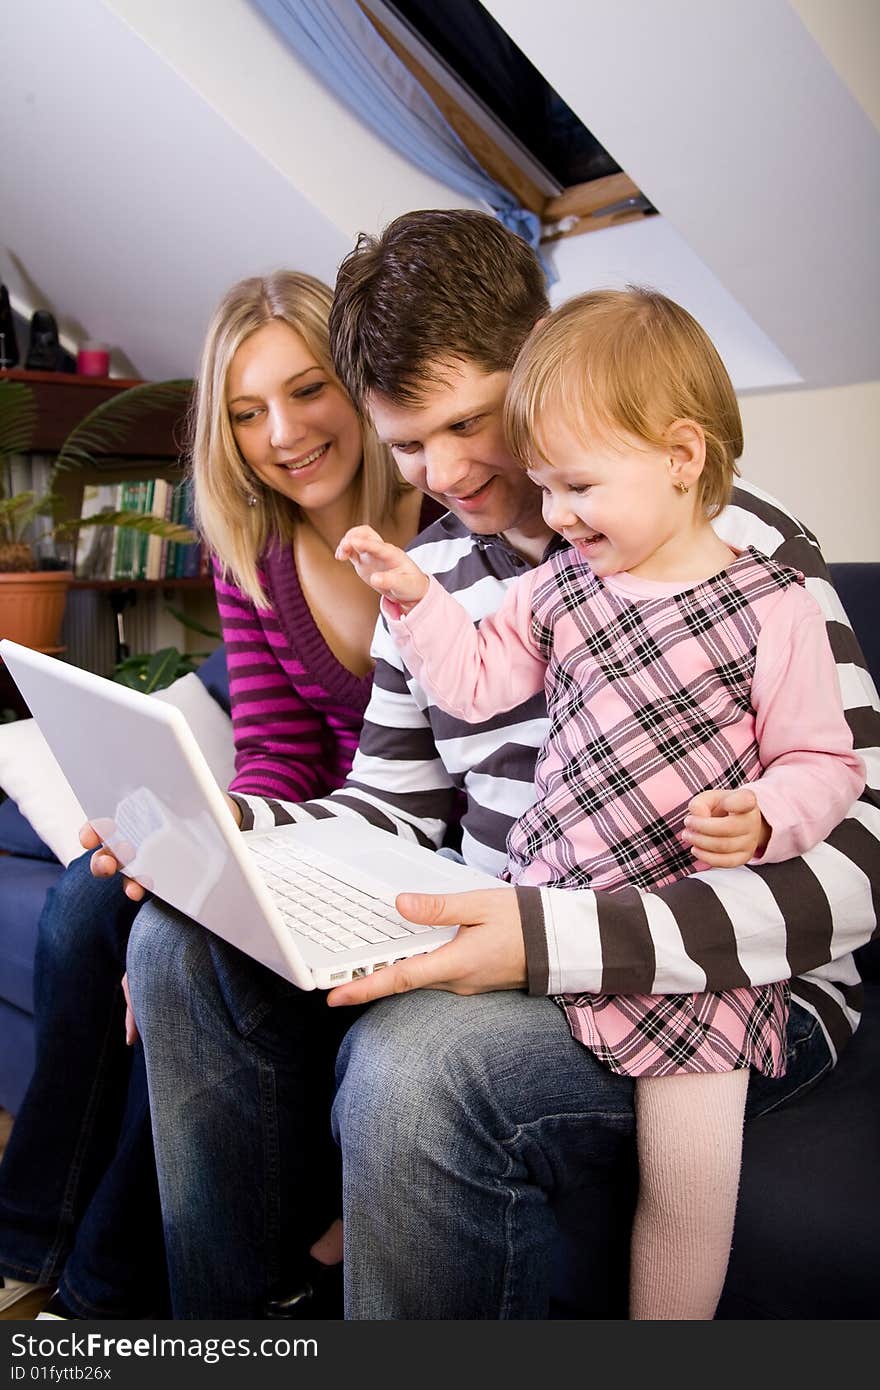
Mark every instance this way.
x=93 y=359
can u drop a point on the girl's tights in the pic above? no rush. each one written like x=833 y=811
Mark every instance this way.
x=690 y=1149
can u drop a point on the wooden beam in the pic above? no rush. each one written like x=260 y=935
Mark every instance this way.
x=484 y=149
x=579 y=209
x=584 y=199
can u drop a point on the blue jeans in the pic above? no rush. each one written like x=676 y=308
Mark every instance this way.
x=467 y=1125
x=240 y=1066
x=78 y=1197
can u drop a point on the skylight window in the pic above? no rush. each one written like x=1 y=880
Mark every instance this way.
x=508 y=115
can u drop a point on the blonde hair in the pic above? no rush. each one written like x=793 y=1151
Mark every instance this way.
x=628 y=360
x=235 y=531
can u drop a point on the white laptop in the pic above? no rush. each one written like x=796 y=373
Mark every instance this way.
x=313 y=902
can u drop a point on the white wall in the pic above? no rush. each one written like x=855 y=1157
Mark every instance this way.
x=848 y=32
x=730 y=117
x=820 y=450
x=651 y=252
x=131 y=198
x=817 y=451
x=237 y=62
x=682 y=93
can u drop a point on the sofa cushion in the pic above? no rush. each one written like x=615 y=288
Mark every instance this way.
x=17 y=835
x=858 y=586
x=31 y=776
x=807 y=1223
x=214 y=675
x=24 y=884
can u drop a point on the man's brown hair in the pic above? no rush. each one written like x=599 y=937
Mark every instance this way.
x=435 y=287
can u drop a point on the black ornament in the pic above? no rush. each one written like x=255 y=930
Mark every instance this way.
x=8 y=340
x=44 y=351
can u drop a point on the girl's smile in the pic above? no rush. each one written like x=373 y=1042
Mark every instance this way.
x=618 y=500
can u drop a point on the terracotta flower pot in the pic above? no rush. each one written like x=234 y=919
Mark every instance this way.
x=32 y=607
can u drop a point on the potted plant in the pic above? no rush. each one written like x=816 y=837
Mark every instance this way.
x=149 y=671
x=33 y=594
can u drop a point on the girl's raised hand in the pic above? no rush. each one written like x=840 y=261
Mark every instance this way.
x=386 y=568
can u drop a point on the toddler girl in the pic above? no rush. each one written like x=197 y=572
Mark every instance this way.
x=695 y=720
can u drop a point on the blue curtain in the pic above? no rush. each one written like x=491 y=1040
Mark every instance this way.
x=337 y=41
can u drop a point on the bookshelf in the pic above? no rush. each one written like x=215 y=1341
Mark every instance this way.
x=63 y=399
x=152 y=449
x=202 y=581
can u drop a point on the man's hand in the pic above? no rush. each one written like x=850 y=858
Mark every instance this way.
x=386 y=568
x=725 y=828
x=487 y=954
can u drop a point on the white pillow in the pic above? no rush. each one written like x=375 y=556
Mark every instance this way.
x=32 y=777
x=209 y=723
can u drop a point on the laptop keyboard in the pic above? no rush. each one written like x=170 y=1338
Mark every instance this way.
x=315 y=901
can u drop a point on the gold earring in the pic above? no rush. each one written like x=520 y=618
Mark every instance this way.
x=682 y=487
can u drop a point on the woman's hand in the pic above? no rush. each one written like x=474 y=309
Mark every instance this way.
x=131 y=1029
x=104 y=863
x=386 y=568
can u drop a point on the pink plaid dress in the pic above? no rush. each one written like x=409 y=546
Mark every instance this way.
x=649 y=704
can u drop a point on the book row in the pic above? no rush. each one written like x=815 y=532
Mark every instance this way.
x=122 y=552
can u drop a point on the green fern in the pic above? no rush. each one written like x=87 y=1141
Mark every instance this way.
x=149 y=671
x=17 y=513
x=18 y=416
x=104 y=429
x=131 y=521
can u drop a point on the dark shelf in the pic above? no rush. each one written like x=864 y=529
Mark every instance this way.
x=62 y=399
x=202 y=581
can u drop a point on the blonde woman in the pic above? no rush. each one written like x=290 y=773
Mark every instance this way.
x=282 y=467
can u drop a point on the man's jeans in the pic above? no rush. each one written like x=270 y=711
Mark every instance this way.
x=78 y=1199
x=464 y=1122
x=240 y=1066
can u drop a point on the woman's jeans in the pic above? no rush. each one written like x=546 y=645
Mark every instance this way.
x=465 y=1125
x=78 y=1197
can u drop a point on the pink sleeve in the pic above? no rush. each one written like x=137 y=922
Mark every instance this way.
x=471 y=672
x=811 y=774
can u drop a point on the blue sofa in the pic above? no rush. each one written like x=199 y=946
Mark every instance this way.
x=807 y=1238
x=28 y=868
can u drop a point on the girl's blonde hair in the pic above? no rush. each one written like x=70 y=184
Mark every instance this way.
x=629 y=360
x=236 y=532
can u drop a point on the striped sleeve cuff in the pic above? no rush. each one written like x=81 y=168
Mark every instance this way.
x=258 y=813
x=562 y=940
x=531 y=916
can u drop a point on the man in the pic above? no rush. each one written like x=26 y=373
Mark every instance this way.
x=465 y=1110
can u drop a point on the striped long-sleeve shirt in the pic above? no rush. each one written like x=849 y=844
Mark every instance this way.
x=718 y=930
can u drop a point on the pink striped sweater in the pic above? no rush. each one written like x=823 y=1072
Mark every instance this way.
x=296 y=710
